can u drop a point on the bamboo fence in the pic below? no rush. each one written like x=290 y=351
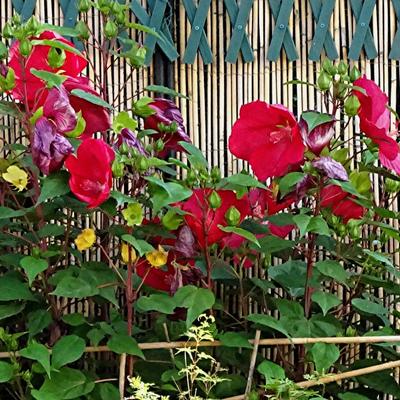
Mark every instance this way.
x=217 y=90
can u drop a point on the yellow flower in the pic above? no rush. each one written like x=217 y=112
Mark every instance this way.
x=126 y=257
x=16 y=176
x=157 y=258
x=85 y=239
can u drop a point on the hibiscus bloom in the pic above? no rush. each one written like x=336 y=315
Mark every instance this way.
x=166 y=113
x=268 y=137
x=91 y=175
x=28 y=86
x=204 y=220
x=375 y=122
x=341 y=203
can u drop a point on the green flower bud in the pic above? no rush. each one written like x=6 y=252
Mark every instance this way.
x=16 y=19
x=56 y=57
x=354 y=74
x=355 y=232
x=143 y=164
x=171 y=220
x=8 y=31
x=32 y=26
x=214 y=200
x=82 y=30
x=25 y=47
x=232 y=216
x=117 y=169
x=3 y=51
x=36 y=252
x=215 y=174
x=391 y=185
x=111 y=29
x=7 y=82
x=120 y=17
x=324 y=81
x=342 y=68
x=203 y=174
x=342 y=230
x=350 y=331
x=351 y=106
x=328 y=67
x=124 y=148
x=159 y=145
x=84 y=5
x=339 y=90
x=191 y=177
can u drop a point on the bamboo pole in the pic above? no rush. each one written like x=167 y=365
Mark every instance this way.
x=262 y=342
x=253 y=361
x=337 y=377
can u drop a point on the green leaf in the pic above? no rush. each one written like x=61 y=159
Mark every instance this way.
x=50 y=78
x=121 y=198
x=352 y=396
x=314 y=119
x=38 y=352
x=140 y=245
x=6 y=371
x=268 y=321
x=124 y=120
x=122 y=343
x=54 y=185
x=302 y=222
x=33 y=267
x=370 y=307
x=156 y=302
x=196 y=300
x=324 y=356
x=332 y=269
x=164 y=90
x=8 y=108
x=195 y=156
x=74 y=319
x=67 y=350
x=166 y=193
x=381 y=259
x=91 y=98
x=10 y=309
x=51 y=230
x=361 y=181
x=325 y=300
x=270 y=244
x=61 y=30
x=58 y=45
x=75 y=287
x=241 y=232
x=289 y=181
x=66 y=384
x=6 y=213
x=235 y=339
x=318 y=225
x=271 y=371
x=13 y=289
x=241 y=180
x=38 y=321
x=108 y=392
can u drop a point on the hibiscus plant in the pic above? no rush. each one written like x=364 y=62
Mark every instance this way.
x=116 y=231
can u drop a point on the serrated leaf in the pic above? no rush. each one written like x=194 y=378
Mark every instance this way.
x=195 y=156
x=57 y=44
x=241 y=180
x=10 y=309
x=314 y=119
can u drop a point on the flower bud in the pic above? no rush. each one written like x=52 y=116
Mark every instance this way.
x=124 y=148
x=8 y=31
x=143 y=164
x=214 y=200
x=232 y=216
x=342 y=68
x=36 y=252
x=171 y=220
x=84 y=5
x=25 y=47
x=324 y=81
x=339 y=90
x=354 y=74
x=159 y=145
x=328 y=67
x=191 y=177
x=3 y=51
x=7 y=82
x=56 y=57
x=82 y=30
x=117 y=169
x=215 y=174
x=32 y=26
x=341 y=230
x=351 y=106
x=111 y=29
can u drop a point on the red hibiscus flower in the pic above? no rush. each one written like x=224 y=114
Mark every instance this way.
x=375 y=122
x=91 y=175
x=97 y=117
x=166 y=113
x=204 y=221
x=38 y=59
x=268 y=137
x=341 y=203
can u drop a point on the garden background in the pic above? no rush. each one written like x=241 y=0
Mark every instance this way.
x=217 y=87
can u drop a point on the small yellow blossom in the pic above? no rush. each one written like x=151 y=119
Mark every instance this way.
x=157 y=258
x=85 y=239
x=128 y=253
x=16 y=176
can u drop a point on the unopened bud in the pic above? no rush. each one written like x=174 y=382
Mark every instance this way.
x=324 y=81
x=214 y=199
x=84 y=5
x=232 y=216
x=351 y=106
x=342 y=68
x=111 y=29
x=354 y=74
x=8 y=31
x=329 y=68
x=56 y=57
x=25 y=47
x=215 y=174
x=117 y=169
x=82 y=30
x=391 y=185
x=159 y=145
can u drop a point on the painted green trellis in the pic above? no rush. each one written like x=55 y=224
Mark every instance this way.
x=239 y=12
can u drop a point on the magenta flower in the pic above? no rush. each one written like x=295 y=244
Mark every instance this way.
x=49 y=148
x=331 y=168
